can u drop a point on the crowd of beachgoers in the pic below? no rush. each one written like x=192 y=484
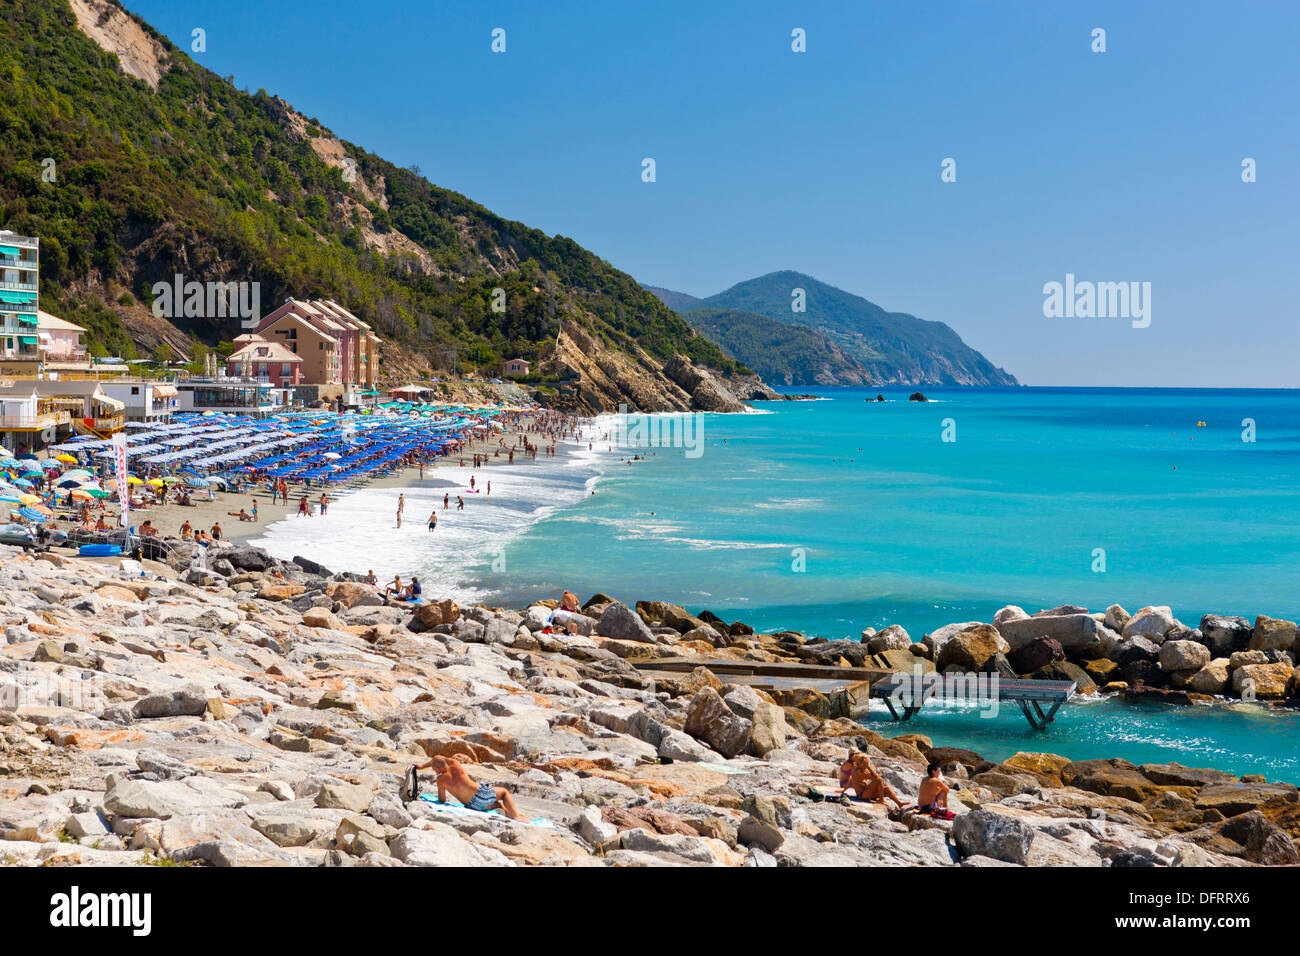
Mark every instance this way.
x=210 y=478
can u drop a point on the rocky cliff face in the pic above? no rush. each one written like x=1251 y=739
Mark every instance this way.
x=604 y=377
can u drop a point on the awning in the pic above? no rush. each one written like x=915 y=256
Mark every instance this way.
x=27 y=339
x=110 y=402
x=9 y=250
x=26 y=318
x=164 y=391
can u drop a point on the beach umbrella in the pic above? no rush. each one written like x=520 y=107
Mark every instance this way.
x=31 y=473
x=197 y=482
x=10 y=499
x=29 y=500
x=171 y=480
x=133 y=480
x=77 y=493
x=69 y=483
x=98 y=493
x=26 y=456
x=156 y=482
x=22 y=483
x=49 y=463
x=65 y=457
x=31 y=514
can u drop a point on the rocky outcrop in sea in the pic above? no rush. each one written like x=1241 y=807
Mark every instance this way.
x=1148 y=655
x=262 y=712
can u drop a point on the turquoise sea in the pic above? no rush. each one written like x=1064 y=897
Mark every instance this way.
x=897 y=526
x=830 y=516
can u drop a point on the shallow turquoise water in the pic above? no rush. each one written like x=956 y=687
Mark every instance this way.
x=830 y=516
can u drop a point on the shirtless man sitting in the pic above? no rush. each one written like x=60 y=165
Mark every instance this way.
x=933 y=794
x=453 y=779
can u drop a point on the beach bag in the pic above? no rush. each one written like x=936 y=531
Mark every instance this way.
x=411 y=785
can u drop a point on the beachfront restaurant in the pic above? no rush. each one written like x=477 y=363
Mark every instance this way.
x=30 y=418
x=232 y=395
x=98 y=413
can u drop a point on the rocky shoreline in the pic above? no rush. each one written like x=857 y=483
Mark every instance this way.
x=1148 y=655
x=263 y=712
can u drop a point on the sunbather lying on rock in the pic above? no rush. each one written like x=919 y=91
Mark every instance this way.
x=453 y=779
x=563 y=617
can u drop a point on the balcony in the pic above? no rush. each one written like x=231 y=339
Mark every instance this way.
x=75 y=357
x=113 y=423
x=38 y=422
x=20 y=286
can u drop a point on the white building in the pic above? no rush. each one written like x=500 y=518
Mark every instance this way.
x=144 y=401
x=232 y=395
x=31 y=418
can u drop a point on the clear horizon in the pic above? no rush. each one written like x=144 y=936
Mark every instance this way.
x=1122 y=166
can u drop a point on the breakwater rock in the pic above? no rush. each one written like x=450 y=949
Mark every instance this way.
x=1145 y=655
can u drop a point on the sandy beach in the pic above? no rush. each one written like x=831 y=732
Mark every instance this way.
x=204 y=512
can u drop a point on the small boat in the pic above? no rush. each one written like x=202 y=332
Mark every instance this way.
x=99 y=550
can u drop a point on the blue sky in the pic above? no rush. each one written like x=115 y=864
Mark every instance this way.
x=1115 y=166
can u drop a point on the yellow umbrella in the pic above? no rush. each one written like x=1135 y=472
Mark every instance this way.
x=29 y=499
x=156 y=482
x=67 y=458
x=133 y=480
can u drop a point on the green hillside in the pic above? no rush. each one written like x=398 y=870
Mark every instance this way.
x=893 y=347
x=201 y=178
x=782 y=354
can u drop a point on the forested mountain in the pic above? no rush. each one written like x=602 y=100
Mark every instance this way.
x=781 y=353
x=892 y=347
x=137 y=164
